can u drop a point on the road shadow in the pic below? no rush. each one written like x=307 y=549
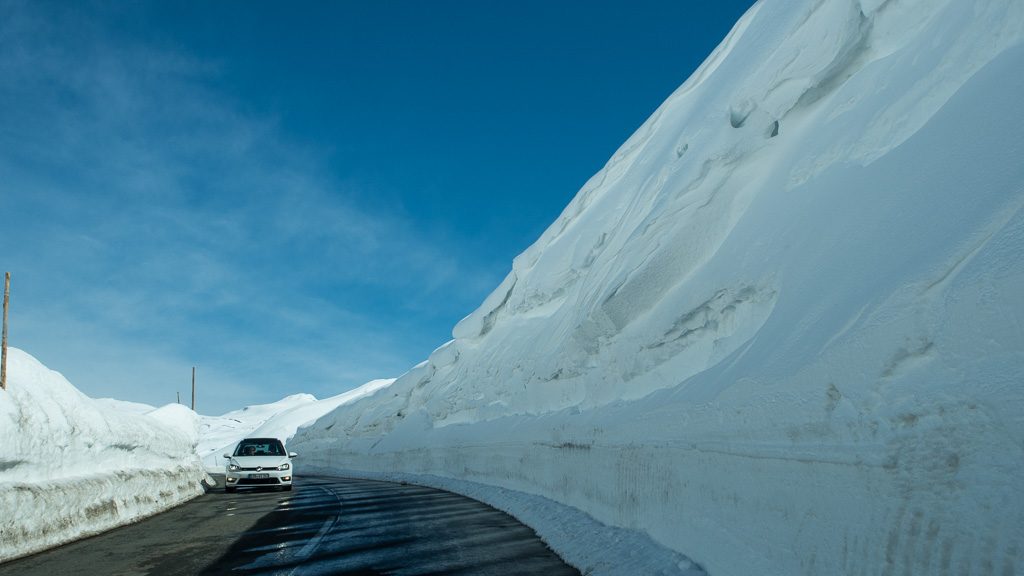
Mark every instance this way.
x=362 y=527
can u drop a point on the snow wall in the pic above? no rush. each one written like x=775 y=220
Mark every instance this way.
x=71 y=466
x=781 y=331
x=220 y=435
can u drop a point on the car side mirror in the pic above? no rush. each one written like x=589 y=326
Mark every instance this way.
x=293 y=455
x=228 y=456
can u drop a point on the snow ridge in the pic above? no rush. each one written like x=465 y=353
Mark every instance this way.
x=71 y=466
x=281 y=419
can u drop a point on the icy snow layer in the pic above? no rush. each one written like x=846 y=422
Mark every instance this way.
x=220 y=434
x=781 y=331
x=71 y=466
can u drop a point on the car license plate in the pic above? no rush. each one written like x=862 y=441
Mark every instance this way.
x=258 y=476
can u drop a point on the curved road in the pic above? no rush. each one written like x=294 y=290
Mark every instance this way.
x=325 y=526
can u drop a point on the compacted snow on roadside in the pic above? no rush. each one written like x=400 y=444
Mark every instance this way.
x=780 y=332
x=72 y=466
x=220 y=434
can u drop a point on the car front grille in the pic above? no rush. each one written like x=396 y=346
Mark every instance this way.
x=257 y=481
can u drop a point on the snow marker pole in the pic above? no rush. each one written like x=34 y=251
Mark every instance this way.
x=193 y=388
x=3 y=355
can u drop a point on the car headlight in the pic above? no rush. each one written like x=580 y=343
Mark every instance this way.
x=284 y=466
x=233 y=467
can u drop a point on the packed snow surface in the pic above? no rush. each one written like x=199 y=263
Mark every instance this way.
x=71 y=466
x=781 y=331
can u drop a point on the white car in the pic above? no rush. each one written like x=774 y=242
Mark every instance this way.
x=259 y=462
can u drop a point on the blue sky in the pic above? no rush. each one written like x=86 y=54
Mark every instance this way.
x=299 y=197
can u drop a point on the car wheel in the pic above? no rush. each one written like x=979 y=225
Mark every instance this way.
x=229 y=489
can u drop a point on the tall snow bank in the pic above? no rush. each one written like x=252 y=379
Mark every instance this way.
x=780 y=331
x=220 y=434
x=71 y=466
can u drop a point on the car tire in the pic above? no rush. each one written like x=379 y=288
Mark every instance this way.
x=229 y=489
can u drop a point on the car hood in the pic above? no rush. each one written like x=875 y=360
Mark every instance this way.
x=254 y=461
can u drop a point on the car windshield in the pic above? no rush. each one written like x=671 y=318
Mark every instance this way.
x=260 y=447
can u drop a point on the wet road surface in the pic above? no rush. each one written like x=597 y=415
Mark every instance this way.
x=324 y=526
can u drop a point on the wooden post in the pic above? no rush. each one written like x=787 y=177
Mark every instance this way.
x=193 y=388
x=3 y=355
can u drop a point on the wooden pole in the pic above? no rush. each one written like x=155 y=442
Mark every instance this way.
x=193 y=388
x=3 y=355
x=179 y=397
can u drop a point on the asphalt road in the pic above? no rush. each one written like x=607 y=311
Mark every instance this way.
x=324 y=526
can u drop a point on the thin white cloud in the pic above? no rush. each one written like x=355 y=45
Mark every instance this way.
x=149 y=223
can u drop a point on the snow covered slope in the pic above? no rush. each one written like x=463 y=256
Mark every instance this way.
x=71 y=466
x=781 y=331
x=220 y=434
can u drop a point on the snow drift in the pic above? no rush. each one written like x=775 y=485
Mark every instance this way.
x=71 y=466
x=220 y=434
x=781 y=331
